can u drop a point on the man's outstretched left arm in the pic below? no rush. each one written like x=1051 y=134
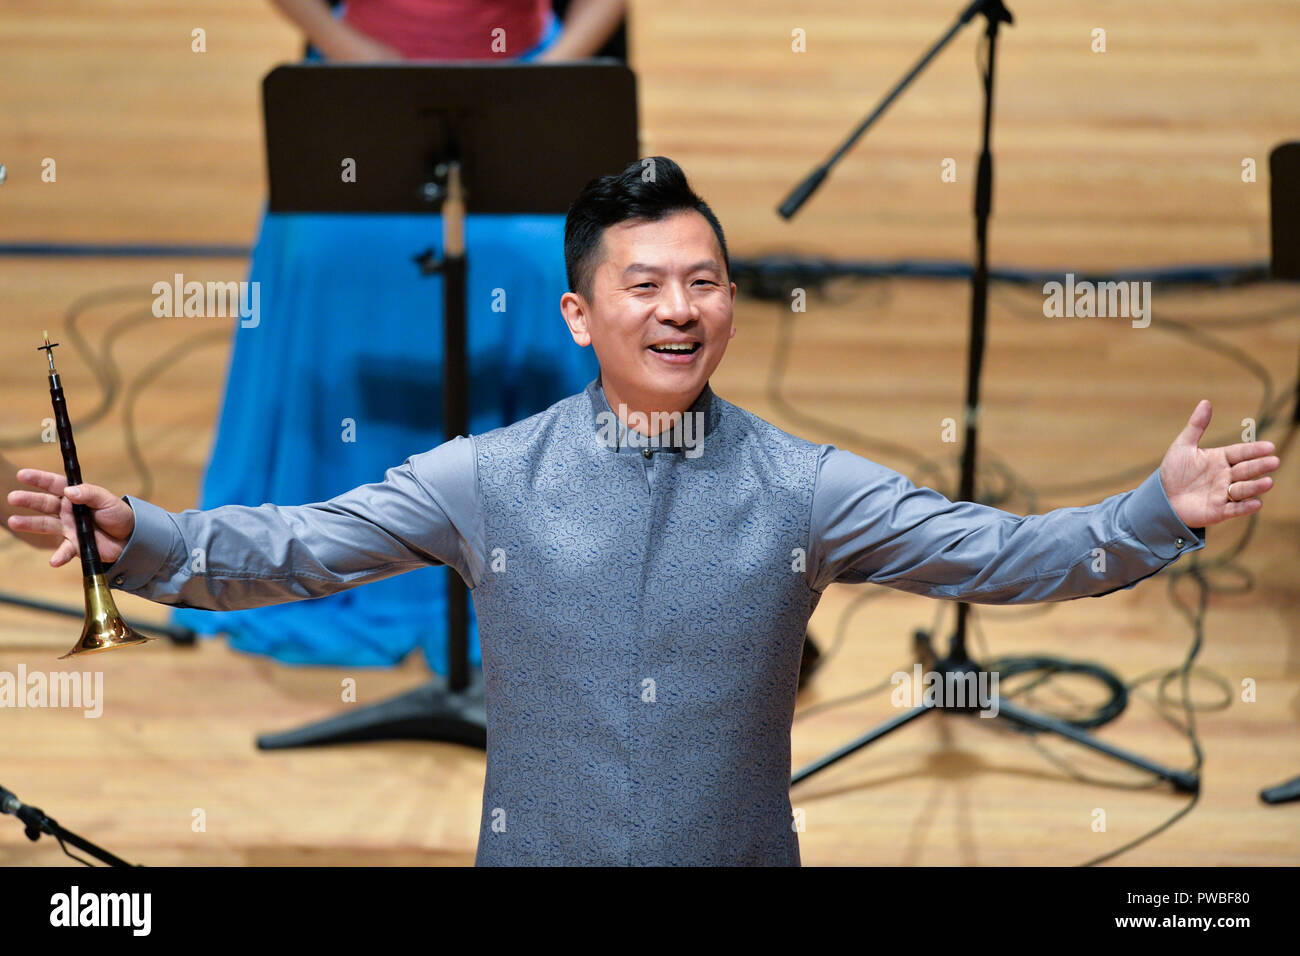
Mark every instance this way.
x=872 y=524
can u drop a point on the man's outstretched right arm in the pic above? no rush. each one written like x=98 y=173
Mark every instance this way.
x=424 y=512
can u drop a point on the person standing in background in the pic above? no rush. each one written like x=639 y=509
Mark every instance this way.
x=380 y=31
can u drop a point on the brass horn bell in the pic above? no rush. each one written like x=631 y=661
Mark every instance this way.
x=104 y=628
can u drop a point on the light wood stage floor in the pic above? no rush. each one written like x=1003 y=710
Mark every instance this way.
x=1120 y=160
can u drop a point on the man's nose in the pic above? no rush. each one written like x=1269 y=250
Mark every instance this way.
x=675 y=305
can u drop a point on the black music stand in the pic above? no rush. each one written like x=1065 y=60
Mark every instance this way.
x=440 y=138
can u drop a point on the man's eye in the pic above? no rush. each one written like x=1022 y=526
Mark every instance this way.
x=705 y=282
x=644 y=285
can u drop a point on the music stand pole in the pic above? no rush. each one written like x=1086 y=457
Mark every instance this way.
x=440 y=138
x=451 y=711
x=447 y=191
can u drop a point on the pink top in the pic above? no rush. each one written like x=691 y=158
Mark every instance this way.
x=451 y=29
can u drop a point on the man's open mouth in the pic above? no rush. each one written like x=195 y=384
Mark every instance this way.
x=676 y=348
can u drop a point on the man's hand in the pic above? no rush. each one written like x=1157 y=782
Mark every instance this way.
x=114 y=519
x=1209 y=485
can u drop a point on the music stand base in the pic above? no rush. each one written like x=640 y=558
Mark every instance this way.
x=429 y=712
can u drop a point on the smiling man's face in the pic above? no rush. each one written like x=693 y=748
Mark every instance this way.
x=660 y=311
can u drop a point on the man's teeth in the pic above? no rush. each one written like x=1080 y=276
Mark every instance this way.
x=675 y=347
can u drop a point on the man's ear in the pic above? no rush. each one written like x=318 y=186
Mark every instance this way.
x=575 y=311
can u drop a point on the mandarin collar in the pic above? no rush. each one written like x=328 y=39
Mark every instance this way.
x=706 y=404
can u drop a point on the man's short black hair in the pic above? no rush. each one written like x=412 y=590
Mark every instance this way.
x=649 y=189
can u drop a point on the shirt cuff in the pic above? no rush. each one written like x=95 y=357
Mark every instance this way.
x=153 y=541
x=1155 y=523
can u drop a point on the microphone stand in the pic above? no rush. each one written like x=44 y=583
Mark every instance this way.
x=36 y=823
x=957 y=670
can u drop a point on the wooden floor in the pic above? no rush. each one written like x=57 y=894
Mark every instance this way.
x=1115 y=160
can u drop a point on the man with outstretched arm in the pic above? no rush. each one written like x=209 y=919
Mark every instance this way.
x=644 y=557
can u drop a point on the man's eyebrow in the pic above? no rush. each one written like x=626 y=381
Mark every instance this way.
x=641 y=267
x=702 y=265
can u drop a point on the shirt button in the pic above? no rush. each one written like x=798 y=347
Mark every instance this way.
x=645 y=452
x=1179 y=542
x=119 y=579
